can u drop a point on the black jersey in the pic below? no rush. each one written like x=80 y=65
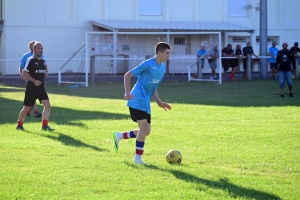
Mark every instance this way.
x=284 y=60
x=238 y=52
x=36 y=68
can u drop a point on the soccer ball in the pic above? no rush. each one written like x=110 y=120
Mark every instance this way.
x=174 y=157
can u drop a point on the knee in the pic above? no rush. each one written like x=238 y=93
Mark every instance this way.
x=147 y=132
x=47 y=106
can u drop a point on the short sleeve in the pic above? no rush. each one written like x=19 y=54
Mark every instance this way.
x=27 y=64
x=140 y=68
x=23 y=62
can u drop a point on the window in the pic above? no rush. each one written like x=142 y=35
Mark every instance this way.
x=179 y=41
x=151 y=7
x=238 y=8
x=270 y=39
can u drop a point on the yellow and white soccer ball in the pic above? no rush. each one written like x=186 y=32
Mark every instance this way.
x=174 y=157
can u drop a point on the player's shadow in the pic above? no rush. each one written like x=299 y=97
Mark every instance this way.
x=224 y=184
x=59 y=115
x=68 y=140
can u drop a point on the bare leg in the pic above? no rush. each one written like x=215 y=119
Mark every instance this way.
x=46 y=110
x=144 y=131
x=23 y=113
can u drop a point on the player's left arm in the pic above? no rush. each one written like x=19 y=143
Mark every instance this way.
x=46 y=73
x=161 y=104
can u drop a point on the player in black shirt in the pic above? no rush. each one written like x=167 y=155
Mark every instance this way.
x=34 y=71
x=283 y=62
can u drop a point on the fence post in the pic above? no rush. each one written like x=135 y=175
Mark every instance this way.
x=199 y=68
x=249 y=67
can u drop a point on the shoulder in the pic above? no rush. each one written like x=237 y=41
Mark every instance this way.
x=30 y=58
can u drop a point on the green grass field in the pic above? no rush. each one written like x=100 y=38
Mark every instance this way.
x=239 y=140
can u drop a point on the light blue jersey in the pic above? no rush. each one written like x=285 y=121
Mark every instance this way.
x=25 y=57
x=201 y=53
x=149 y=75
x=273 y=51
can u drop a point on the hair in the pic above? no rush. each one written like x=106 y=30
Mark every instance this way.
x=229 y=45
x=31 y=43
x=161 y=47
x=36 y=43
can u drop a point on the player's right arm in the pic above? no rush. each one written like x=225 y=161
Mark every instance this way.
x=127 y=79
x=25 y=73
x=29 y=78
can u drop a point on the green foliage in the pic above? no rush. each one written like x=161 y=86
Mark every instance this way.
x=239 y=140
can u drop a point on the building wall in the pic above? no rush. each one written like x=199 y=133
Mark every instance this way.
x=61 y=25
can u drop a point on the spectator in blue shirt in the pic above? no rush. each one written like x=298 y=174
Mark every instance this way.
x=273 y=53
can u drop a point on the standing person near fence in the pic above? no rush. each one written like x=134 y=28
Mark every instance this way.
x=212 y=61
x=227 y=62
x=201 y=52
x=247 y=51
x=35 y=71
x=296 y=51
x=149 y=75
x=273 y=53
x=284 y=60
x=21 y=67
x=238 y=53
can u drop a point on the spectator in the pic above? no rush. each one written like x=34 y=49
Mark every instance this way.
x=212 y=61
x=237 y=52
x=283 y=63
x=201 y=52
x=296 y=50
x=273 y=53
x=247 y=51
x=227 y=63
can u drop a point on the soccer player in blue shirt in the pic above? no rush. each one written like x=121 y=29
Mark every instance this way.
x=21 y=67
x=273 y=53
x=149 y=75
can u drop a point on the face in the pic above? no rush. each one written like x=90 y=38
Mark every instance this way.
x=38 y=50
x=273 y=43
x=284 y=45
x=229 y=46
x=238 y=46
x=164 y=56
x=248 y=44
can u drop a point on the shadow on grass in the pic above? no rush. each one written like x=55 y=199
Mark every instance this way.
x=257 y=93
x=224 y=184
x=67 y=140
x=11 y=109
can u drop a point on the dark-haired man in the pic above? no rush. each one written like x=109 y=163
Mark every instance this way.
x=149 y=75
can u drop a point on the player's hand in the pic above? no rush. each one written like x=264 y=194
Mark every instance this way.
x=37 y=83
x=165 y=106
x=128 y=96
